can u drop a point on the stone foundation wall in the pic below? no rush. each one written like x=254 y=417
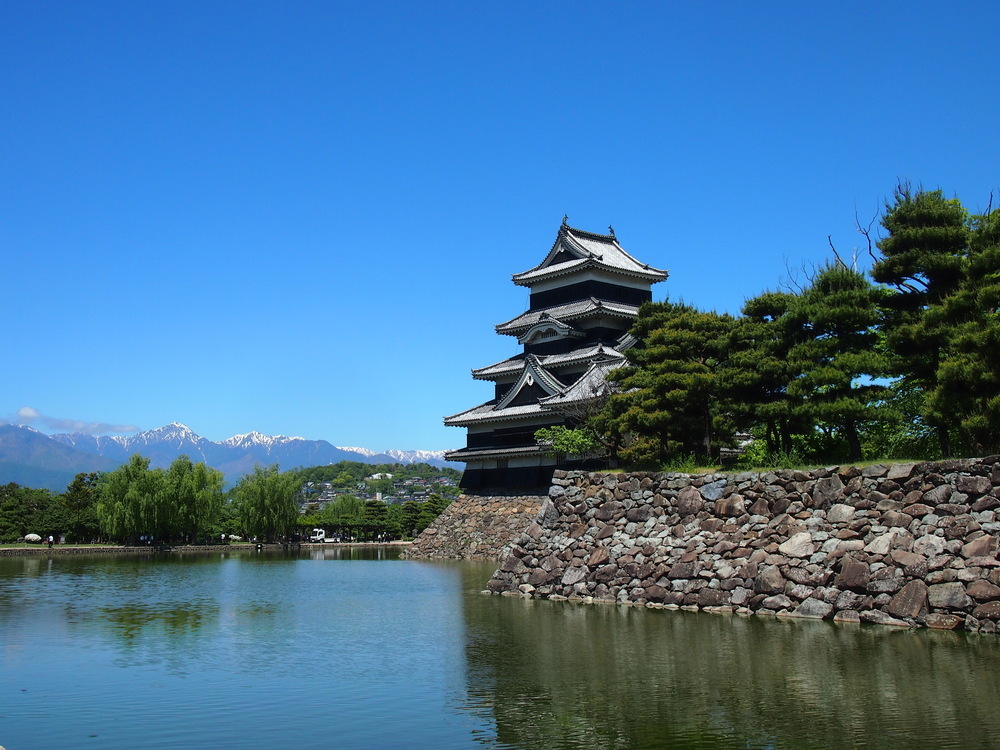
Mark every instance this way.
x=42 y=550
x=907 y=545
x=477 y=527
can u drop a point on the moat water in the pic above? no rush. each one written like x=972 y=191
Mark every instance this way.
x=353 y=648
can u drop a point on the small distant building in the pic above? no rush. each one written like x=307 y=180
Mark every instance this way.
x=584 y=297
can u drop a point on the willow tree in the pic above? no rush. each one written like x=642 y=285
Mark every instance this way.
x=266 y=502
x=192 y=496
x=128 y=498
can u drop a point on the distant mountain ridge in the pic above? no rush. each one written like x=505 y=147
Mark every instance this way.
x=32 y=458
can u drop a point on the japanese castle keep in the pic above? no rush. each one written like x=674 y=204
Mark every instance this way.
x=584 y=297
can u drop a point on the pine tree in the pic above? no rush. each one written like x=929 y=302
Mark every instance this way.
x=668 y=393
x=924 y=258
x=835 y=359
x=755 y=377
x=967 y=388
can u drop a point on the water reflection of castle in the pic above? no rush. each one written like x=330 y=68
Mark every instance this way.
x=584 y=297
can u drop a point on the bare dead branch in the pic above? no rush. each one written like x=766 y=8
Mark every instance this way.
x=866 y=232
x=790 y=281
x=836 y=255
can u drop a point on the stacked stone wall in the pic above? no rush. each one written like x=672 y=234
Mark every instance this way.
x=906 y=545
x=477 y=527
x=42 y=550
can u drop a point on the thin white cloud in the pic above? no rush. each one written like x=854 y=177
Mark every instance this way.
x=28 y=415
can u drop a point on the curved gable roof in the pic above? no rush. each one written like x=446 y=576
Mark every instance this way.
x=575 y=249
x=568 y=312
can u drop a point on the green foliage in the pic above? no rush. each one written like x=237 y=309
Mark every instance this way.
x=429 y=511
x=24 y=510
x=903 y=432
x=375 y=519
x=179 y=504
x=834 y=359
x=925 y=261
x=568 y=441
x=667 y=400
x=757 y=456
x=841 y=370
x=80 y=504
x=756 y=376
x=410 y=518
x=265 y=503
x=193 y=494
x=923 y=253
x=683 y=464
x=353 y=519
x=347 y=474
x=966 y=393
x=128 y=499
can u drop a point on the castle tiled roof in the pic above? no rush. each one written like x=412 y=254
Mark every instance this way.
x=489 y=412
x=575 y=249
x=592 y=385
x=549 y=361
x=469 y=454
x=584 y=308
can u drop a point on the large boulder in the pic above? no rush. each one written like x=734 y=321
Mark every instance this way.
x=840 y=513
x=689 y=501
x=983 y=591
x=814 y=609
x=854 y=575
x=574 y=575
x=798 y=545
x=731 y=506
x=988 y=611
x=948 y=596
x=929 y=545
x=984 y=546
x=910 y=601
x=769 y=581
x=939 y=621
x=827 y=491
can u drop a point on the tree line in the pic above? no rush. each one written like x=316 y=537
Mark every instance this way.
x=352 y=519
x=900 y=362
x=187 y=503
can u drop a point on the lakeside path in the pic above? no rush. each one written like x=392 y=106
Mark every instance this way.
x=41 y=550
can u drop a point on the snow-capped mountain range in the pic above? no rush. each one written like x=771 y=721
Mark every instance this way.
x=22 y=448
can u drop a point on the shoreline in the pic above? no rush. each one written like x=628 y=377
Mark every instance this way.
x=68 y=549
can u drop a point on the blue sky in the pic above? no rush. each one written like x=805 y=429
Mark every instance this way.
x=302 y=218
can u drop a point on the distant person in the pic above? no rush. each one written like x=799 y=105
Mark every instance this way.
x=50 y=541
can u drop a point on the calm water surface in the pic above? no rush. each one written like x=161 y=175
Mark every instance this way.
x=356 y=649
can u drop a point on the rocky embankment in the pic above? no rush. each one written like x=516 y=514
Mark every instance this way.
x=907 y=545
x=477 y=527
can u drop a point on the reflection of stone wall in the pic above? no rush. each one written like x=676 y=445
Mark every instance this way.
x=558 y=676
x=477 y=527
x=912 y=544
